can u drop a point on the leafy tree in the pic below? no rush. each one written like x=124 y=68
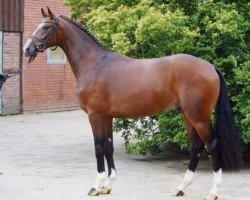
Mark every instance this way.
x=242 y=100
x=215 y=30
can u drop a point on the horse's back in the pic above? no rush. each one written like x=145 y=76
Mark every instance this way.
x=187 y=69
x=189 y=62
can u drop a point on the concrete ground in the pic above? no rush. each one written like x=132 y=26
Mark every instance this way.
x=51 y=157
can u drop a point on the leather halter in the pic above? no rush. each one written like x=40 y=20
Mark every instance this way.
x=42 y=42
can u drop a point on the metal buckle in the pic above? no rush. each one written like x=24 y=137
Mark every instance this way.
x=40 y=46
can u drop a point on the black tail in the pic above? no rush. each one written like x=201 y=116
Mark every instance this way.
x=226 y=131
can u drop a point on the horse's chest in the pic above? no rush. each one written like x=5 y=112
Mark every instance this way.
x=93 y=98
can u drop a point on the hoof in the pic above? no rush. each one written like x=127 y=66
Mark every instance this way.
x=105 y=190
x=178 y=193
x=93 y=192
x=211 y=197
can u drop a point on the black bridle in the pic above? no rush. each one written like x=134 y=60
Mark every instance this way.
x=42 y=42
x=39 y=48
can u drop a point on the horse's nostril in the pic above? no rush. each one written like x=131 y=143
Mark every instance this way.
x=26 y=51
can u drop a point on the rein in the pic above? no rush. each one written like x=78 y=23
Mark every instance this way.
x=38 y=48
x=4 y=77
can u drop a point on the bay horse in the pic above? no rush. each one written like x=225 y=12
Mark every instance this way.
x=110 y=85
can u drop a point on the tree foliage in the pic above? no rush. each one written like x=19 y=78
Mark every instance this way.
x=215 y=30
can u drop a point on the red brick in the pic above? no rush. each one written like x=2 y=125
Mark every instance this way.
x=11 y=89
x=46 y=87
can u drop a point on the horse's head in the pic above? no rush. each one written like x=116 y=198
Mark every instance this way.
x=45 y=35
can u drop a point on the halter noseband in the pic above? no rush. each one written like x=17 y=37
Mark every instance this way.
x=42 y=42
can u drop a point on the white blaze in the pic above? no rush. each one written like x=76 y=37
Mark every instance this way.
x=29 y=40
x=26 y=45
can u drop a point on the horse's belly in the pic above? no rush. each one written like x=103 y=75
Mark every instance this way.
x=141 y=112
x=142 y=106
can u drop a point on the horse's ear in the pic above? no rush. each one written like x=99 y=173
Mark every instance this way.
x=43 y=13
x=52 y=16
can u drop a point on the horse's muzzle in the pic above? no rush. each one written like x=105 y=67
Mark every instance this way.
x=31 y=54
x=28 y=53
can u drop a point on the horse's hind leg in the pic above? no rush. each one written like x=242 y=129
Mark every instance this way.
x=205 y=131
x=196 y=149
x=213 y=147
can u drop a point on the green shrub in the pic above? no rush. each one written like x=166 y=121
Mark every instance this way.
x=215 y=30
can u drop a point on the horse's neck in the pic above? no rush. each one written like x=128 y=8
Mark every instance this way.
x=81 y=50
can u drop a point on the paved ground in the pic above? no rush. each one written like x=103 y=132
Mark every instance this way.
x=51 y=157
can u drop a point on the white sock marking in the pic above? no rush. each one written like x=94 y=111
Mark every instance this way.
x=99 y=180
x=187 y=180
x=111 y=179
x=30 y=40
x=217 y=182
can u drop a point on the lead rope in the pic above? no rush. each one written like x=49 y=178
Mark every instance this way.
x=3 y=77
x=7 y=76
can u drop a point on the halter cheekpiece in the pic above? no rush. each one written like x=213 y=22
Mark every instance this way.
x=42 y=42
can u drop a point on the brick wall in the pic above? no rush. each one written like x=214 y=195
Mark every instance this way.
x=11 y=88
x=46 y=87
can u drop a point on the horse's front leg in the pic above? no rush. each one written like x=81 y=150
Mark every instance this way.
x=103 y=139
x=108 y=152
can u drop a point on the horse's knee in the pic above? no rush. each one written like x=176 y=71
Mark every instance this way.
x=98 y=149
x=108 y=146
x=103 y=145
x=99 y=145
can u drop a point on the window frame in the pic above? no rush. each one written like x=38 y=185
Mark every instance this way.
x=55 y=62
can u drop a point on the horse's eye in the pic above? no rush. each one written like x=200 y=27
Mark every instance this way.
x=45 y=28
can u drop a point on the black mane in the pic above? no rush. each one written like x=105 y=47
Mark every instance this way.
x=83 y=29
